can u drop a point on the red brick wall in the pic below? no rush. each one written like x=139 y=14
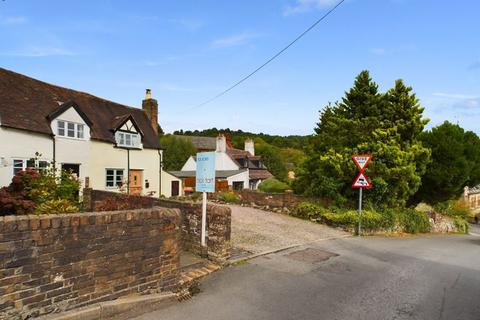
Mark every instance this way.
x=59 y=262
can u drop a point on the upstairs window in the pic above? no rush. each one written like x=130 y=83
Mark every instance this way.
x=70 y=129
x=128 y=140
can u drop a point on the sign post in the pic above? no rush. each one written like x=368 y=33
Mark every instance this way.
x=205 y=182
x=360 y=182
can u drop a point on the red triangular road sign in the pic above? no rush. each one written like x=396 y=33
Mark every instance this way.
x=361 y=160
x=361 y=182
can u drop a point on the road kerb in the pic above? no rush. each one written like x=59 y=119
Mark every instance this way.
x=132 y=306
x=256 y=255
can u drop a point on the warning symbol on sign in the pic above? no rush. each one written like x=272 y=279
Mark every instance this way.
x=361 y=182
x=361 y=161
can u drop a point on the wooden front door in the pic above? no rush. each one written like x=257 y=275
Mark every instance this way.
x=135 y=177
x=175 y=188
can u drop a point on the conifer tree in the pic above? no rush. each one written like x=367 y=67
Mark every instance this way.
x=385 y=125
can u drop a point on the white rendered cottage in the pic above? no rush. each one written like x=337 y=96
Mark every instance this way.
x=240 y=168
x=112 y=146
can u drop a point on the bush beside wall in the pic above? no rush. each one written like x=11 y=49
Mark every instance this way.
x=406 y=220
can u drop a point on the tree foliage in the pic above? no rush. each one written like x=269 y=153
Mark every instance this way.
x=238 y=136
x=386 y=125
x=176 y=152
x=455 y=163
x=272 y=159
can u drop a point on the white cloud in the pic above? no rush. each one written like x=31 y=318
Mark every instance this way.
x=13 y=20
x=378 y=51
x=41 y=52
x=456 y=96
x=234 y=40
x=302 y=6
x=188 y=24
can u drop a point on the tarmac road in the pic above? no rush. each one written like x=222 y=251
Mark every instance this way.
x=420 y=277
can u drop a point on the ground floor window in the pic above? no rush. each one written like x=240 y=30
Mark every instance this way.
x=237 y=185
x=114 y=178
x=22 y=164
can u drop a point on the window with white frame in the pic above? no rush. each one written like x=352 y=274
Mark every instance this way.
x=22 y=164
x=113 y=178
x=128 y=139
x=70 y=129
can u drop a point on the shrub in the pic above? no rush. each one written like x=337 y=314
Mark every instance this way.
x=386 y=220
x=124 y=202
x=413 y=221
x=454 y=209
x=11 y=204
x=273 y=185
x=37 y=192
x=56 y=206
x=228 y=197
x=307 y=210
x=461 y=225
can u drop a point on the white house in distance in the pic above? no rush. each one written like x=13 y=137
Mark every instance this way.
x=240 y=168
x=102 y=142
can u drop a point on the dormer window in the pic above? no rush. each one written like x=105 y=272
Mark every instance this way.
x=70 y=129
x=128 y=139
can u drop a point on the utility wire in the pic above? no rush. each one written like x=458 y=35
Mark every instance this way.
x=271 y=59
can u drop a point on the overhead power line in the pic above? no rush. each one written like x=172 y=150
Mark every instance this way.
x=271 y=59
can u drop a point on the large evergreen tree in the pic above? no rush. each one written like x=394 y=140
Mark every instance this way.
x=455 y=163
x=385 y=125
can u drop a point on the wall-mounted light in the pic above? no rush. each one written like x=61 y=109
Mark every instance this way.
x=147 y=184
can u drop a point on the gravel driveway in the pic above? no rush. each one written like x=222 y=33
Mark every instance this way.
x=259 y=231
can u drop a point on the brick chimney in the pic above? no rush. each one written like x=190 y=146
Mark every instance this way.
x=150 y=107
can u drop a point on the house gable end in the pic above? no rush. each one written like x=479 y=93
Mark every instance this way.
x=64 y=107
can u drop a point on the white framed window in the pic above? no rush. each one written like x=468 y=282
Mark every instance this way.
x=128 y=139
x=18 y=165
x=22 y=164
x=61 y=128
x=70 y=129
x=80 y=130
x=113 y=178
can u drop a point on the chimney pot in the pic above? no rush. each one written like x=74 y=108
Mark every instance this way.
x=148 y=94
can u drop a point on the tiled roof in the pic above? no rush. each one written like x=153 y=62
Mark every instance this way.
x=204 y=143
x=25 y=103
x=260 y=174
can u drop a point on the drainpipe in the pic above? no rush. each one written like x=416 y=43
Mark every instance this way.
x=160 y=163
x=128 y=171
x=54 y=152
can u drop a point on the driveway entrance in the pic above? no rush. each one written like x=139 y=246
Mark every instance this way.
x=258 y=231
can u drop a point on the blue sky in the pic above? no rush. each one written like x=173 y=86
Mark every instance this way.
x=188 y=51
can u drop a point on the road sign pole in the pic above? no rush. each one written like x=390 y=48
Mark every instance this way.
x=360 y=212
x=204 y=218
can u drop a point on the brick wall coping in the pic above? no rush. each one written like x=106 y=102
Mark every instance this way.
x=33 y=222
